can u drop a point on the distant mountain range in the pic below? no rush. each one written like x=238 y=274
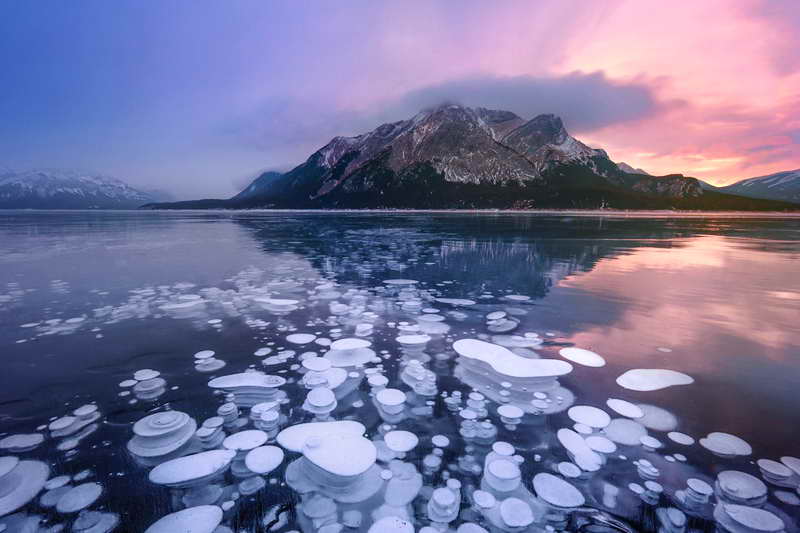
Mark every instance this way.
x=779 y=186
x=453 y=156
x=70 y=189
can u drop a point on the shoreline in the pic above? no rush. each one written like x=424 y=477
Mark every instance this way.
x=644 y=213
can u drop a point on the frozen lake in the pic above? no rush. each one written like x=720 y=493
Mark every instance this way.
x=518 y=372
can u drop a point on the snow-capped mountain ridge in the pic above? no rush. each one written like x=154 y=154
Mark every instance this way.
x=779 y=186
x=450 y=144
x=67 y=188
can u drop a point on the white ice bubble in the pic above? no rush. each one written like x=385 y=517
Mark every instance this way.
x=680 y=438
x=300 y=338
x=325 y=451
x=79 y=497
x=200 y=519
x=652 y=379
x=456 y=302
x=192 y=469
x=516 y=513
x=161 y=433
x=506 y=362
x=590 y=416
x=146 y=374
x=582 y=357
x=245 y=440
x=745 y=519
x=401 y=441
x=725 y=444
x=556 y=491
x=21 y=442
x=294 y=437
x=391 y=524
x=625 y=431
x=20 y=482
x=624 y=408
x=264 y=459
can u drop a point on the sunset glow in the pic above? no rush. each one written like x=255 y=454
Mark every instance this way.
x=201 y=97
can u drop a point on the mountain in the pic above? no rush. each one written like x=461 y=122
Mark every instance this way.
x=67 y=189
x=259 y=186
x=783 y=186
x=625 y=167
x=453 y=156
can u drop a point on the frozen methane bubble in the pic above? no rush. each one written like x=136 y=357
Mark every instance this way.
x=250 y=388
x=316 y=364
x=200 y=519
x=506 y=362
x=79 y=497
x=725 y=445
x=95 y=522
x=245 y=440
x=413 y=340
x=737 y=487
x=391 y=524
x=624 y=408
x=350 y=352
x=680 y=438
x=510 y=414
x=320 y=401
x=773 y=471
x=590 y=416
x=21 y=442
x=502 y=475
x=294 y=437
x=651 y=379
x=326 y=453
x=192 y=470
x=745 y=519
x=625 y=431
x=146 y=374
x=580 y=452
x=601 y=444
x=391 y=400
x=401 y=441
x=20 y=482
x=557 y=492
x=582 y=357
x=161 y=433
x=516 y=513
x=792 y=462
x=456 y=302
x=440 y=440
x=264 y=459
x=300 y=338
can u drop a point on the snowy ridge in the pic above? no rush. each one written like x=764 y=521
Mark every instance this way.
x=63 y=188
x=779 y=186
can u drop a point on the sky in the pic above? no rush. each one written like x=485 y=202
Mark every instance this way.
x=197 y=97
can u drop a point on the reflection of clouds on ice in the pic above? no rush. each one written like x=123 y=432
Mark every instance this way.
x=346 y=395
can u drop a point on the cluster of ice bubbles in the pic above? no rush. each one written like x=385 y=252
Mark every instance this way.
x=320 y=432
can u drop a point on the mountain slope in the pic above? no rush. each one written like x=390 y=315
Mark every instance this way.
x=454 y=156
x=625 y=167
x=67 y=189
x=458 y=157
x=784 y=186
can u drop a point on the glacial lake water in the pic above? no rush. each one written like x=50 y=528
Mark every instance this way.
x=88 y=300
